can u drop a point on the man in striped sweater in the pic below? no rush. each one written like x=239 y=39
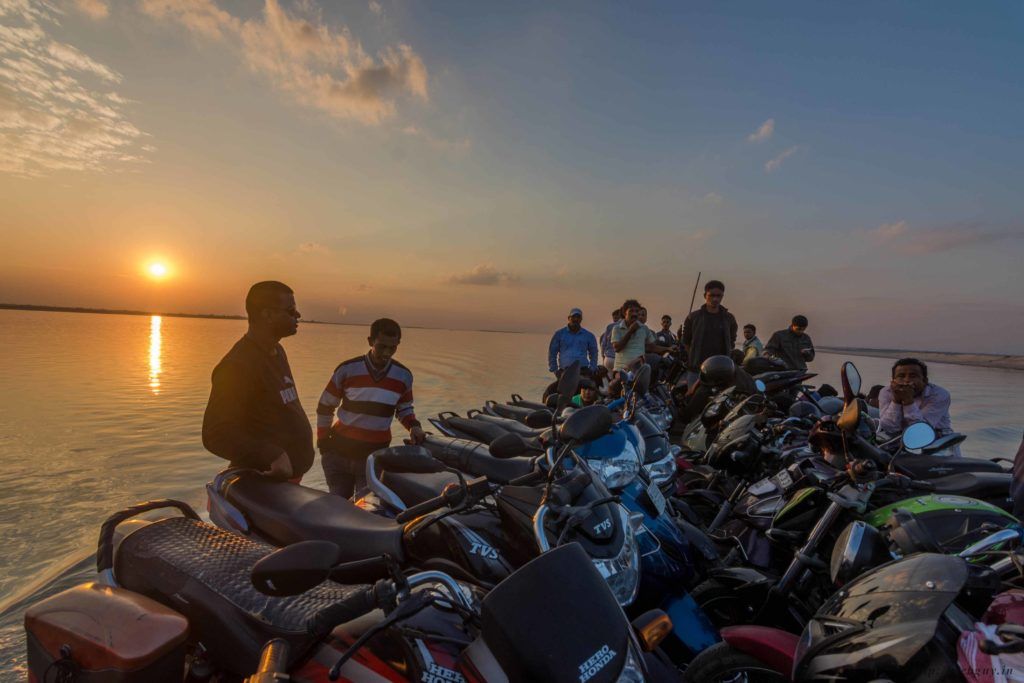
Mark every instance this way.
x=366 y=392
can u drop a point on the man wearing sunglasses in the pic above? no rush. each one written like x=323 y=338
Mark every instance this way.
x=254 y=418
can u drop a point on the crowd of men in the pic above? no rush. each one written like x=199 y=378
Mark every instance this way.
x=711 y=330
x=254 y=418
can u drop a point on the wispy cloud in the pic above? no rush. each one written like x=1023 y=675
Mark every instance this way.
x=97 y=9
x=935 y=240
x=772 y=165
x=319 y=66
x=376 y=8
x=483 y=274
x=712 y=198
x=763 y=132
x=58 y=107
x=439 y=143
x=887 y=232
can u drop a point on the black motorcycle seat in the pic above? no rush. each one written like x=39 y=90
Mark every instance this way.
x=931 y=466
x=203 y=573
x=517 y=413
x=473 y=458
x=980 y=485
x=485 y=432
x=416 y=488
x=510 y=425
x=288 y=513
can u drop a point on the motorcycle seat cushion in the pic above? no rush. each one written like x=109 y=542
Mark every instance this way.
x=981 y=485
x=416 y=488
x=486 y=432
x=931 y=466
x=510 y=425
x=203 y=572
x=288 y=513
x=473 y=458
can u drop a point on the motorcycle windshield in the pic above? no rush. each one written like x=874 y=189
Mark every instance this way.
x=555 y=620
x=886 y=615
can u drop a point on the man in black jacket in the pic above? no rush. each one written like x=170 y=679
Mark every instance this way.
x=708 y=331
x=793 y=346
x=254 y=418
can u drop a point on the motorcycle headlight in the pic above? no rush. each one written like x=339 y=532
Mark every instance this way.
x=662 y=470
x=632 y=672
x=622 y=572
x=619 y=470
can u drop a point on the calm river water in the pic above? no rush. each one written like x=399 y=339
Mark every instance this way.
x=101 y=411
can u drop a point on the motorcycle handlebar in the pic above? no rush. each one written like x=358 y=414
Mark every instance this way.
x=273 y=662
x=381 y=594
x=426 y=506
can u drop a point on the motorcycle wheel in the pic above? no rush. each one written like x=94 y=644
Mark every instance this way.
x=722 y=663
x=721 y=604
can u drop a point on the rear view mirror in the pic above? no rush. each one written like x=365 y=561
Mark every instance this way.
x=567 y=384
x=551 y=401
x=918 y=435
x=411 y=459
x=538 y=419
x=851 y=381
x=510 y=445
x=295 y=568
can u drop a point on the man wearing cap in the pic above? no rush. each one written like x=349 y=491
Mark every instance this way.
x=572 y=343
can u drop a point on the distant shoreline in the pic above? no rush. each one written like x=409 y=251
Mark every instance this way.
x=979 y=360
x=208 y=316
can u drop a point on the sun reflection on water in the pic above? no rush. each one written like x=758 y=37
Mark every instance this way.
x=154 y=353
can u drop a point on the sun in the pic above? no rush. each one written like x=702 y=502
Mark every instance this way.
x=157 y=270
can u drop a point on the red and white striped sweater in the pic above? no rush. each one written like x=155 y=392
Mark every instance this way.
x=366 y=399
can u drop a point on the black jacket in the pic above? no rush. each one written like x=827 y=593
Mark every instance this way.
x=695 y=335
x=254 y=411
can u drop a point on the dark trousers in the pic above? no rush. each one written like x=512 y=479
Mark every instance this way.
x=344 y=463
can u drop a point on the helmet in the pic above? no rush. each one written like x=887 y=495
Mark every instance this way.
x=803 y=409
x=831 y=405
x=718 y=371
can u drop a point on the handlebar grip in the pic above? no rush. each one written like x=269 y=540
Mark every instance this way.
x=273 y=661
x=421 y=509
x=356 y=605
x=105 y=546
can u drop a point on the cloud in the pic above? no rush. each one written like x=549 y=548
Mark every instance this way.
x=439 y=143
x=312 y=248
x=887 y=232
x=376 y=8
x=483 y=274
x=772 y=165
x=58 y=109
x=712 y=198
x=319 y=66
x=935 y=240
x=96 y=9
x=763 y=132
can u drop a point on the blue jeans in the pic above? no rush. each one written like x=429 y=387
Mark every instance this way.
x=344 y=463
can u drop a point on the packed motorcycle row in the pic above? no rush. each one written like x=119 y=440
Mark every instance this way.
x=733 y=531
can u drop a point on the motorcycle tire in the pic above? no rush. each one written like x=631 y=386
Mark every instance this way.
x=722 y=663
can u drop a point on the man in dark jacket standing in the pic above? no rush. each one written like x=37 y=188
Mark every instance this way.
x=254 y=418
x=708 y=331
x=1017 y=484
x=793 y=346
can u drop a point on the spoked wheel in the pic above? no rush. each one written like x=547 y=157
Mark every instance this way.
x=722 y=663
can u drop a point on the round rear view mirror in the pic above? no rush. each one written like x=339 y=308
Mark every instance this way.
x=851 y=379
x=918 y=435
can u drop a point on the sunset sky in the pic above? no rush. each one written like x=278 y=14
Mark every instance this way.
x=490 y=165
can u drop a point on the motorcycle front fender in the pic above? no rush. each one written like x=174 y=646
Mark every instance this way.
x=771 y=646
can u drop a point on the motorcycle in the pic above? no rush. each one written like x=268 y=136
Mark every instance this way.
x=181 y=600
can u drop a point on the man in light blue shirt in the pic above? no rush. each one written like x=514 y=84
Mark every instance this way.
x=572 y=343
x=607 y=350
